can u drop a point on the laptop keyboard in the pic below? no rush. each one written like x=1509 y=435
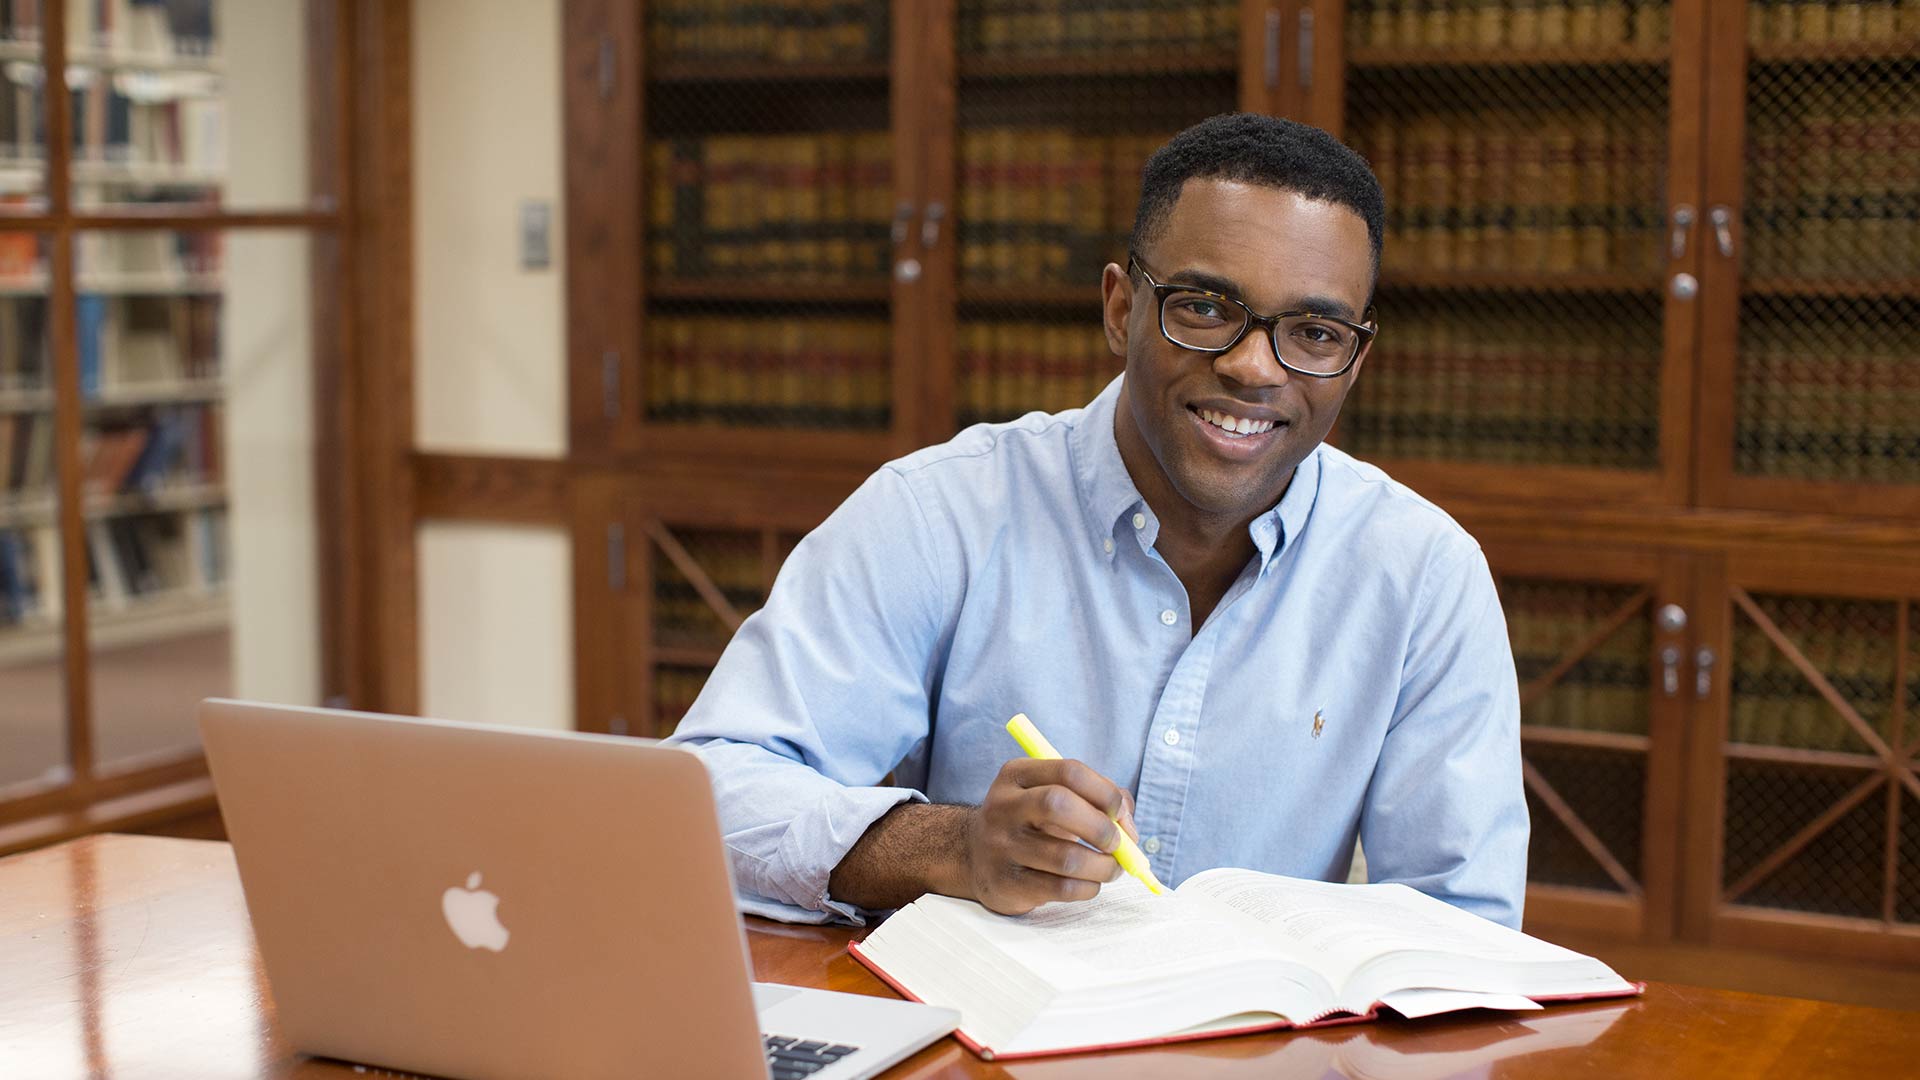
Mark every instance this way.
x=789 y=1058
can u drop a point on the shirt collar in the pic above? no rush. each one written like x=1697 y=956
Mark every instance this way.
x=1106 y=489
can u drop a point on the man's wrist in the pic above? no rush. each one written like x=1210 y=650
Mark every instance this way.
x=911 y=850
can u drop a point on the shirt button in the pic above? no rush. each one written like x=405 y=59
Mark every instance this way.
x=1172 y=737
x=1168 y=617
x=1139 y=521
x=1107 y=546
x=1151 y=845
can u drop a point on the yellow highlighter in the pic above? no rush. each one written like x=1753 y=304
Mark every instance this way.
x=1128 y=854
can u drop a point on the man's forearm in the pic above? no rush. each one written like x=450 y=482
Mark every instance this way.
x=913 y=849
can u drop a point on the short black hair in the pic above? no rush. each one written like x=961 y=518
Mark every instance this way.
x=1250 y=148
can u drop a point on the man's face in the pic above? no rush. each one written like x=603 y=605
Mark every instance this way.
x=1276 y=251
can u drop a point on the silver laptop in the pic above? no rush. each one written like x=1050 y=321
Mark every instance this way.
x=476 y=901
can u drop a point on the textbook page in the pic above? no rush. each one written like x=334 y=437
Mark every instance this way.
x=1343 y=931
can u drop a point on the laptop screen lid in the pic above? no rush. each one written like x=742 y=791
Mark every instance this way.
x=475 y=901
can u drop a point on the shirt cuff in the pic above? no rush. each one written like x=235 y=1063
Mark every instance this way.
x=793 y=888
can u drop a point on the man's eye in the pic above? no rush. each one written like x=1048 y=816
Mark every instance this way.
x=1204 y=309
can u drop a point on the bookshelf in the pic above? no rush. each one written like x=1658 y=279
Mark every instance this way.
x=1621 y=444
x=167 y=369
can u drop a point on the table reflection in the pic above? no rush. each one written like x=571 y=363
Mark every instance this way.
x=1466 y=1045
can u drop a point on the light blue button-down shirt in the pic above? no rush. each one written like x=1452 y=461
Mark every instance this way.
x=1355 y=681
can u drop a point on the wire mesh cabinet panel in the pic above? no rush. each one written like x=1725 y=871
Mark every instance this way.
x=1034 y=161
x=1594 y=634
x=1812 y=279
x=1540 y=166
x=698 y=584
x=1805 y=812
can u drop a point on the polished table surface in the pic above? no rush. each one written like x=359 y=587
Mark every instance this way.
x=125 y=956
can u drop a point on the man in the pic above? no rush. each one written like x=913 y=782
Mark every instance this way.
x=1254 y=648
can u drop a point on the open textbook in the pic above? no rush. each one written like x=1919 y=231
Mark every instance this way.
x=1231 y=951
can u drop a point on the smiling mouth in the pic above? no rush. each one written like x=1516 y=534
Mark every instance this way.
x=1234 y=427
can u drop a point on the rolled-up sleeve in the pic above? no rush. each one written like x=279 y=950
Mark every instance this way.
x=819 y=695
x=1446 y=812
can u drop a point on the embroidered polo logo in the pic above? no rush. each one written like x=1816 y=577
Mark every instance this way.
x=1318 y=723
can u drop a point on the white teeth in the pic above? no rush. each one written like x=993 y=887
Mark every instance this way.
x=1237 y=425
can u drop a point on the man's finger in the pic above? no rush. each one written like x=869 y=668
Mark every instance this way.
x=1065 y=858
x=1060 y=812
x=1105 y=795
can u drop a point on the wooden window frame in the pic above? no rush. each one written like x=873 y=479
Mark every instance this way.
x=359 y=215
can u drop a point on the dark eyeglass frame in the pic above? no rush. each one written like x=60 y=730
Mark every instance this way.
x=1268 y=323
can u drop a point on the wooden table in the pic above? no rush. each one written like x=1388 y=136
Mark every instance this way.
x=130 y=956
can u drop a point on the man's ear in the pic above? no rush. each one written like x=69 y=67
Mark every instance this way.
x=1116 y=298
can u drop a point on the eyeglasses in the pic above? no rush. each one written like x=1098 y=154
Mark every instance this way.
x=1323 y=346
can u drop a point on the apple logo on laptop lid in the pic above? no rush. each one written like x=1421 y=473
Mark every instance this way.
x=471 y=914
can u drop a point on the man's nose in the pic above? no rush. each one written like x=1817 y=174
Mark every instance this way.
x=1251 y=362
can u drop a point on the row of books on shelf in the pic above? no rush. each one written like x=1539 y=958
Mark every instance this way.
x=760 y=207
x=1787 y=22
x=1096 y=27
x=1495 y=24
x=1590 y=405
x=1046 y=204
x=1500 y=191
x=148 y=28
x=782 y=372
x=129 y=560
x=771 y=31
x=675 y=688
x=137 y=341
x=1772 y=704
x=123 y=120
x=174 y=447
x=1574 y=381
x=1007 y=369
x=1834 y=191
x=1806 y=409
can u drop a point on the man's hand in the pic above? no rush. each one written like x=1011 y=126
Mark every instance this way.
x=1023 y=843
x=1014 y=852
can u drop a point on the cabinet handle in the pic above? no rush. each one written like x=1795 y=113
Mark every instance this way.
x=1670 y=670
x=1683 y=218
x=1672 y=618
x=1722 y=218
x=902 y=214
x=1306 y=49
x=606 y=68
x=930 y=226
x=1273 y=49
x=1703 y=673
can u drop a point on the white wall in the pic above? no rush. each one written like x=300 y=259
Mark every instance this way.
x=267 y=359
x=496 y=635
x=496 y=614
x=489 y=337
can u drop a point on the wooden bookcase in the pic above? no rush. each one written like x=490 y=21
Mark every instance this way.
x=1639 y=335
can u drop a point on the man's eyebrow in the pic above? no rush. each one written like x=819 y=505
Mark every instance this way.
x=1326 y=305
x=1318 y=305
x=1200 y=279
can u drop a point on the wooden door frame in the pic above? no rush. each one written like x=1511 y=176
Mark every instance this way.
x=1648 y=917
